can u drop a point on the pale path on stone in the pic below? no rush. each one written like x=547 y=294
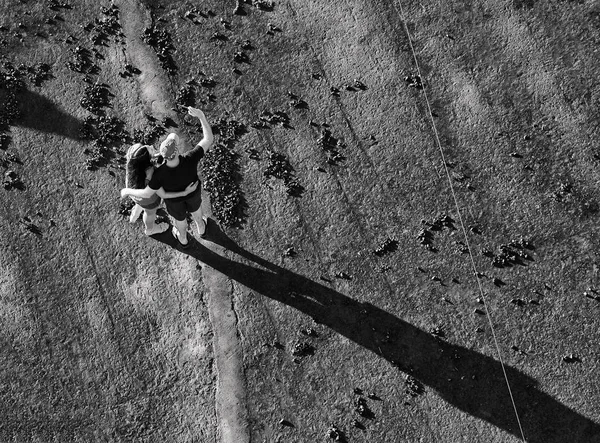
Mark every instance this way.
x=230 y=396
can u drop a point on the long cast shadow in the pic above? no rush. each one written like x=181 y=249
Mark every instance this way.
x=468 y=380
x=41 y=114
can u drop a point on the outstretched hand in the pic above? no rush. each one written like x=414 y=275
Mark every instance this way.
x=124 y=193
x=195 y=112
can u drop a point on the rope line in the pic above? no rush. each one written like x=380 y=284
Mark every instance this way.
x=475 y=272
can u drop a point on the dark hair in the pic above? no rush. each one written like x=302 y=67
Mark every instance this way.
x=159 y=160
x=135 y=175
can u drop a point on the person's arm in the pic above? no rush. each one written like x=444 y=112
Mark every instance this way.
x=207 y=140
x=166 y=195
x=141 y=193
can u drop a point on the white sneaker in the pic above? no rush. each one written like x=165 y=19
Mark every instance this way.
x=157 y=229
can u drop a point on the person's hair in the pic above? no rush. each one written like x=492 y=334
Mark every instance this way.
x=135 y=175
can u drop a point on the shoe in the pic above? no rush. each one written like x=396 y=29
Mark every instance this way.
x=158 y=228
x=203 y=234
x=176 y=235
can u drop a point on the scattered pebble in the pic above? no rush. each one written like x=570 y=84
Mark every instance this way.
x=309 y=332
x=438 y=332
x=343 y=276
x=571 y=359
x=388 y=246
x=335 y=434
x=358 y=424
x=302 y=349
x=414 y=81
x=361 y=407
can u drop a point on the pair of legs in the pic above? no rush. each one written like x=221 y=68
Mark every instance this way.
x=149 y=219
x=182 y=225
x=179 y=211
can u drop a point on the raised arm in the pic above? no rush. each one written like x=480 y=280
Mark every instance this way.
x=141 y=193
x=207 y=140
x=166 y=195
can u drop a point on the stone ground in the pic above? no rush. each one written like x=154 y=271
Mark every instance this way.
x=344 y=303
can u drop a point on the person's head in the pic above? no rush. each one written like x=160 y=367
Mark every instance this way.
x=169 y=148
x=138 y=161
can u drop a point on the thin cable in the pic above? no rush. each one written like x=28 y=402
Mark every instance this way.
x=475 y=272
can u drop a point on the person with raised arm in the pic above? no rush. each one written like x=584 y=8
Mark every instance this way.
x=176 y=173
x=139 y=170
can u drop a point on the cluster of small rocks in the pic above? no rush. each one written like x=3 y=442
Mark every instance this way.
x=150 y=134
x=108 y=26
x=413 y=386
x=125 y=207
x=96 y=97
x=510 y=254
x=331 y=146
x=414 y=81
x=426 y=235
x=186 y=95
x=280 y=168
x=160 y=40
x=11 y=84
x=219 y=169
x=36 y=74
x=12 y=181
x=265 y=5
x=230 y=130
x=272 y=118
x=83 y=61
x=106 y=134
x=564 y=189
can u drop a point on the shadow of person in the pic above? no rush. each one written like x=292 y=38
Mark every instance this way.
x=468 y=380
x=41 y=114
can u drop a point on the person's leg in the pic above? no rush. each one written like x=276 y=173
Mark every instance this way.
x=177 y=211
x=149 y=218
x=193 y=206
x=181 y=227
x=200 y=220
x=135 y=213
